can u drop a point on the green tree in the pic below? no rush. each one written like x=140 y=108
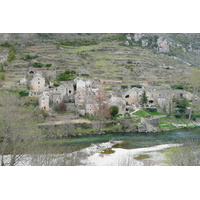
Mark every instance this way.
x=144 y=98
x=182 y=106
x=114 y=110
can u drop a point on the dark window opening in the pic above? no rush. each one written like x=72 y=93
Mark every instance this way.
x=38 y=82
x=70 y=91
x=151 y=101
x=127 y=109
x=44 y=108
x=127 y=96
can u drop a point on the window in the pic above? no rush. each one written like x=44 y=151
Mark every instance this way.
x=38 y=82
x=70 y=91
x=127 y=96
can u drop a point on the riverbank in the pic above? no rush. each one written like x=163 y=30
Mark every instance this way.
x=75 y=128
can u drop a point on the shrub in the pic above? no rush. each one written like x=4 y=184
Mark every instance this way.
x=124 y=87
x=48 y=65
x=2 y=76
x=138 y=86
x=180 y=87
x=23 y=93
x=29 y=57
x=85 y=125
x=2 y=68
x=61 y=107
x=151 y=109
x=6 y=44
x=87 y=75
x=114 y=110
x=129 y=62
x=67 y=75
x=79 y=42
x=37 y=64
x=56 y=84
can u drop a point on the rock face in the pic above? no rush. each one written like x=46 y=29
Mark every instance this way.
x=138 y=36
x=163 y=45
x=3 y=55
x=149 y=125
x=145 y=43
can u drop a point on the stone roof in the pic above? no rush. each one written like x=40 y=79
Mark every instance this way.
x=134 y=89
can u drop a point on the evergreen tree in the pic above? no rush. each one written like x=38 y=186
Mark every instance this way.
x=144 y=98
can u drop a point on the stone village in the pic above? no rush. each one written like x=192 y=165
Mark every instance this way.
x=83 y=96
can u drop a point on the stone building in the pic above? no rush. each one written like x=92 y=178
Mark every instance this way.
x=23 y=81
x=91 y=107
x=132 y=96
x=37 y=84
x=44 y=101
x=119 y=102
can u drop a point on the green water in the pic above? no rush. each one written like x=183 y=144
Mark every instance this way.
x=132 y=140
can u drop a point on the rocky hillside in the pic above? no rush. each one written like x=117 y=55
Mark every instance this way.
x=157 y=59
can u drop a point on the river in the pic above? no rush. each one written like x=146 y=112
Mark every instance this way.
x=122 y=149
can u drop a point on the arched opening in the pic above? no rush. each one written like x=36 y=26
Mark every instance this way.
x=151 y=102
x=127 y=96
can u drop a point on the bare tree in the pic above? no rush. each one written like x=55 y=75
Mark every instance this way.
x=195 y=83
x=186 y=155
x=102 y=111
x=18 y=130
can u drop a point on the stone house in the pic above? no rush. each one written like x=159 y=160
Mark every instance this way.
x=119 y=102
x=66 y=92
x=56 y=97
x=44 y=101
x=37 y=84
x=91 y=107
x=80 y=98
x=132 y=96
x=80 y=85
x=23 y=81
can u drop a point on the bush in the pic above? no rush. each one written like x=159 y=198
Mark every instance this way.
x=37 y=64
x=129 y=62
x=79 y=42
x=138 y=86
x=67 y=75
x=2 y=76
x=124 y=87
x=114 y=110
x=86 y=75
x=85 y=125
x=151 y=109
x=180 y=87
x=23 y=93
x=29 y=57
x=5 y=44
x=56 y=84
x=61 y=107
x=2 y=68
x=48 y=65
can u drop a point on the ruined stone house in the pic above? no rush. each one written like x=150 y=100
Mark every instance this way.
x=37 y=84
x=44 y=101
x=132 y=96
x=91 y=107
x=119 y=102
x=23 y=81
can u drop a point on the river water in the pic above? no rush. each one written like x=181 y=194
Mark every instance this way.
x=130 y=148
x=119 y=149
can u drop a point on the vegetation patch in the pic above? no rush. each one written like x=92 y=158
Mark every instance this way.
x=67 y=75
x=37 y=64
x=23 y=93
x=142 y=156
x=2 y=76
x=108 y=151
x=29 y=57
